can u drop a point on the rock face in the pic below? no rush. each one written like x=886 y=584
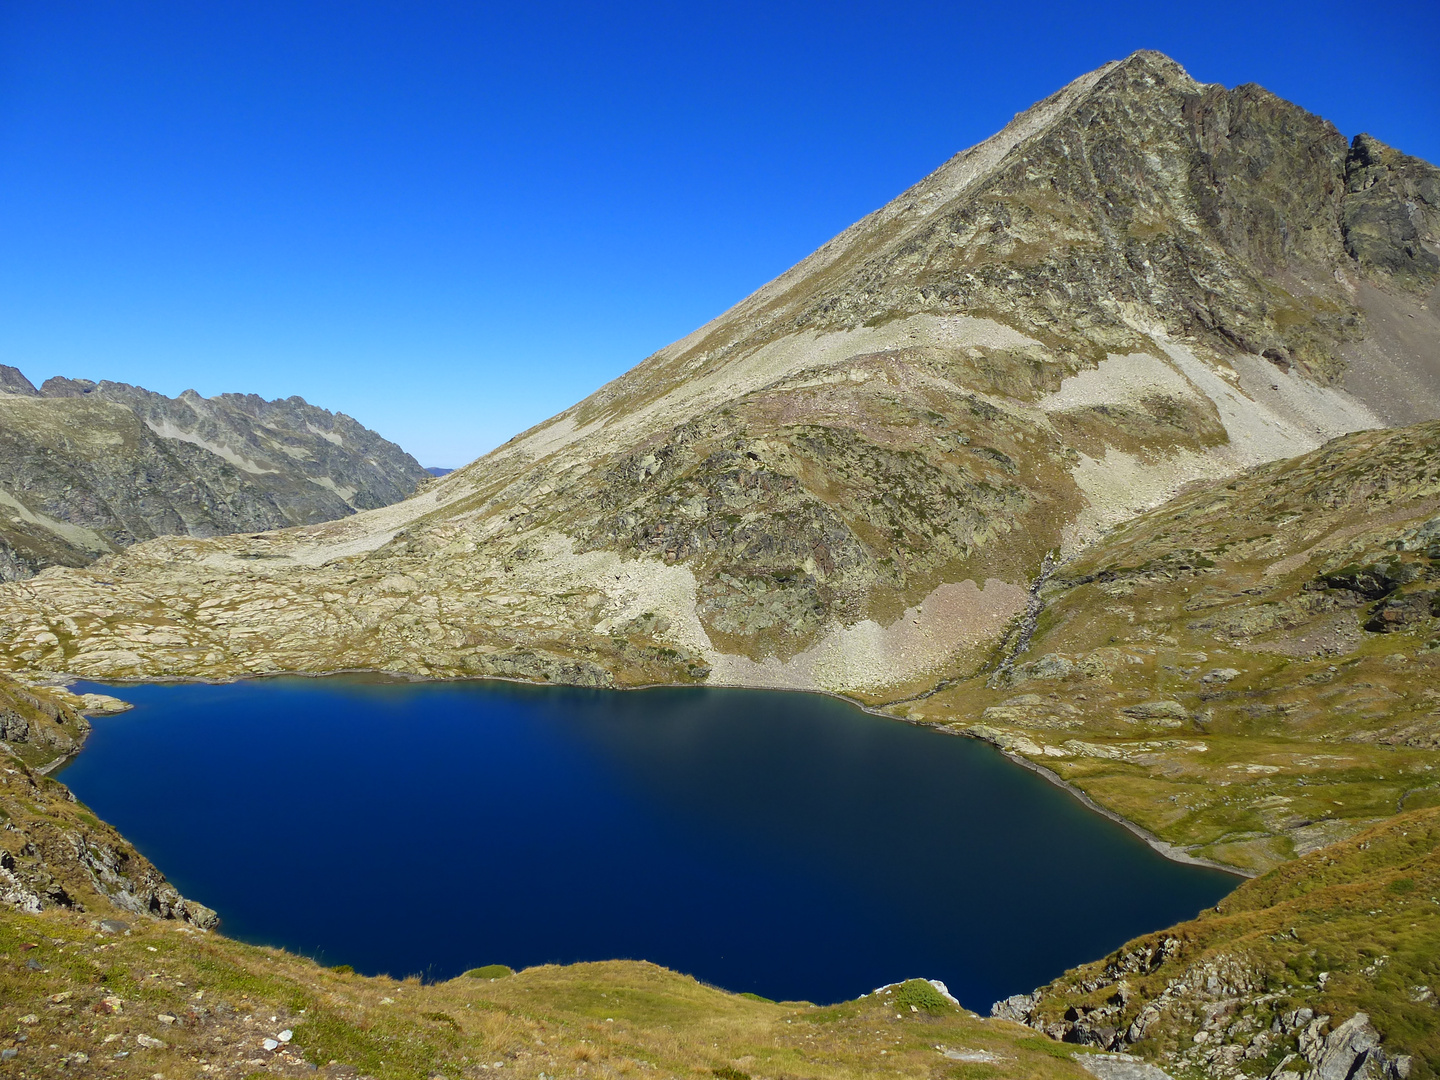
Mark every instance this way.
x=1391 y=213
x=850 y=479
x=88 y=468
x=53 y=852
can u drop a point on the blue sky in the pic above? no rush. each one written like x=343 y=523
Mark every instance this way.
x=453 y=220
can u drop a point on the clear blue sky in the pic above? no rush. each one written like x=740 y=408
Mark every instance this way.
x=454 y=220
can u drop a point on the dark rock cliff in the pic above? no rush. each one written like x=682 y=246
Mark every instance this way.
x=1391 y=210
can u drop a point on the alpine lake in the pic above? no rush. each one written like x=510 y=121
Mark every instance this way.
x=784 y=844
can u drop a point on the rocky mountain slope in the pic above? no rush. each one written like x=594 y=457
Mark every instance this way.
x=90 y=468
x=848 y=480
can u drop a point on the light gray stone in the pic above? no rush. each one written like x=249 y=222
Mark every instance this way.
x=1120 y=1067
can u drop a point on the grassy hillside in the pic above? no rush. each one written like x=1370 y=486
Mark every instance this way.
x=179 y=1002
x=1354 y=928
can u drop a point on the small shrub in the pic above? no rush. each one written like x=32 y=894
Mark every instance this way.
x=973 y=1072
x=725 y=1072
x=343 y=969
x=490 y=971
x=1401 y=885
x=920 y=995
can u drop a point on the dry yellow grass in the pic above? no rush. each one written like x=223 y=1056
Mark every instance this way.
x=95 y=1002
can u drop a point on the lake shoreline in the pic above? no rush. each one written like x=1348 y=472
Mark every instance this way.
x=728 y=764
x=1161 y=847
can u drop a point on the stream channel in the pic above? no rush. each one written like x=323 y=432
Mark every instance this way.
x=785 y=844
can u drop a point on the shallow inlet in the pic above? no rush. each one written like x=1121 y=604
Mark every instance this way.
x=785 y=844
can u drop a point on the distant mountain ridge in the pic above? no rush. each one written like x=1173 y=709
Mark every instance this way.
x=89 y=468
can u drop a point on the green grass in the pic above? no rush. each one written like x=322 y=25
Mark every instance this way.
x=618 y=1018
x=920 y=996
x=490 y=971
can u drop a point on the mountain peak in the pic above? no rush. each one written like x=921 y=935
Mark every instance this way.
x=1156 y=63
x=13 y=381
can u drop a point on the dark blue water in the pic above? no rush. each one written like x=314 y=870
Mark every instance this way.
x=785 y=844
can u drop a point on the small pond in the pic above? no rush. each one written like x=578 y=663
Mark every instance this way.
x=785 y=844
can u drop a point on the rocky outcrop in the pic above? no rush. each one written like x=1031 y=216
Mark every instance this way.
x=53 y=852
x=1391 y=214
x=33 y=877
x=1259 y=985
x=88 y=468
x=1350 y=1050
x=38 y=727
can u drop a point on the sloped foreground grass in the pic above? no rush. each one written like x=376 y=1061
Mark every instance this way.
x=79 y=998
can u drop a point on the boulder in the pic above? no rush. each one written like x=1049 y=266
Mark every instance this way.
x=1165 y=712
x=1352 y=1052
x=1402 y=610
